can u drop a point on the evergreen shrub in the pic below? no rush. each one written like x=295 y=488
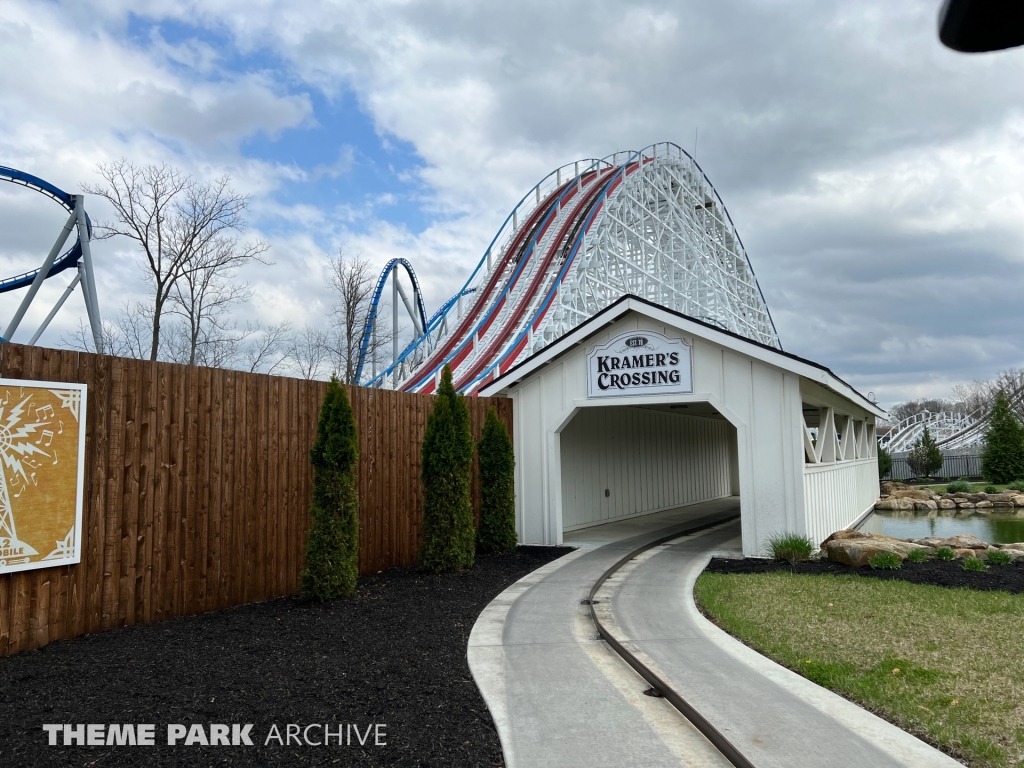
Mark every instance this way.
x=925 y=456
x=960 y=486
x=884 y=463
x=1002 y=459
x=497 y=531
x=449 y=537
x=332 y=545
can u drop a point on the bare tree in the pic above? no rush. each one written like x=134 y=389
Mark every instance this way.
x=204 y=293
x=980 y=395
x=309 y=351
x=82 y=339
x=175 y=219
x=269 y=349
x=353 y=283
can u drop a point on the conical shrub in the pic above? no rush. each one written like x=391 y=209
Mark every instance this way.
x=1002 y=459
x=497 y=532
x=332 y=545
x=449 y=539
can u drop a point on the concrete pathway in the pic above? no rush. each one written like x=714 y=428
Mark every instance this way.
x=775 y=717
x=559 y=696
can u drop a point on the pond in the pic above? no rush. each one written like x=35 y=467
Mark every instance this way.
x=995 y=529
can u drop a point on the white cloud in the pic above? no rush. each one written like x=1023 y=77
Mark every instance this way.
x=873 y=175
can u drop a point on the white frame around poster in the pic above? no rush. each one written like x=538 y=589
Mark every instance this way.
x=76 y=554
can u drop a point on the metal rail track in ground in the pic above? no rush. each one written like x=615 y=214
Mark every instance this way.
x=721 y=743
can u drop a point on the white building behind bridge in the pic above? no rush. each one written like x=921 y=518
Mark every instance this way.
x=641 y=409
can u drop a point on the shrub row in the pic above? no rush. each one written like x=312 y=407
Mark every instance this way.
x=450 y=539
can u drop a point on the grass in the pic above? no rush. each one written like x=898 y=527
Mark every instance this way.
x=791 y=547
x=938 y=662
x=887 y=560
x=997 y=557
x=919 y=555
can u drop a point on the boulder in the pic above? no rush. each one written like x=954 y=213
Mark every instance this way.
x=965 y=504
x=976 y=497
x=914 y=493
x=962 y=553
x=961 y=500
x=1015 y=546
x=999 y=497
x=933 y=542
x=926 y=505
x=859 y=551
x=962 y=541
x=983 y=505
x=947 y=504
x=844 y=534
x=1018 y=501
x=892 y=505
x=889 y=486
x=1003 y=504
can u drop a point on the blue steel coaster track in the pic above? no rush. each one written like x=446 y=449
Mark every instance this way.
x=71 y=257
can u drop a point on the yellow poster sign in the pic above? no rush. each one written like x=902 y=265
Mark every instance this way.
x=42 y=468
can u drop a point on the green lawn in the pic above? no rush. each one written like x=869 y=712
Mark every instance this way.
x=945 y=664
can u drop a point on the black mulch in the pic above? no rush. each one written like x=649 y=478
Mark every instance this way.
x=950 y=573
x=394 y=654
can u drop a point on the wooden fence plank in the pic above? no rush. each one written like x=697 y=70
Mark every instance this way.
x=193 y=530
x=198 y=489
x=214 y=563
x=230 y=584
x=131 y=492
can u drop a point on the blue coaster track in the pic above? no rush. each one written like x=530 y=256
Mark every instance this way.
x=71 y=257
x=371 y=317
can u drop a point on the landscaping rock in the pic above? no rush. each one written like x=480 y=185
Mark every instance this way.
x=933 y=542
x=947 y=504
x=976 y=497
x=965 y=504
x=983 y=505
x=1018 y=501
x=962 y=553
x=889 y=486
x=963 y=541
x=914 y=493
x=961 y=500
x=894 y=505
x=999 y=497
x=926 y=505
x=1003 y=504
x=859 y=551
x=844 y=534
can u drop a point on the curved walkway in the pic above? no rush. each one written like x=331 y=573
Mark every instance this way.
x=560 y=697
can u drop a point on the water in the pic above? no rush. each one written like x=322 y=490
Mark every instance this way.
x=994 y=529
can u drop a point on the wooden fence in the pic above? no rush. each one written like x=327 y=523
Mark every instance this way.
x=197 y=491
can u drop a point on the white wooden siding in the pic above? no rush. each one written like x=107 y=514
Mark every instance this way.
x=648 y=460
x=837 y=494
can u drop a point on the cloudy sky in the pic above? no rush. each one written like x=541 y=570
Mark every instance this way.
x=877 y=179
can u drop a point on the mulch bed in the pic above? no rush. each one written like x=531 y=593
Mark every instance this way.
x=394 y=654
x=950 y=573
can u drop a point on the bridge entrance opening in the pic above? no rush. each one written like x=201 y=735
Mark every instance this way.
x=626 y=461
